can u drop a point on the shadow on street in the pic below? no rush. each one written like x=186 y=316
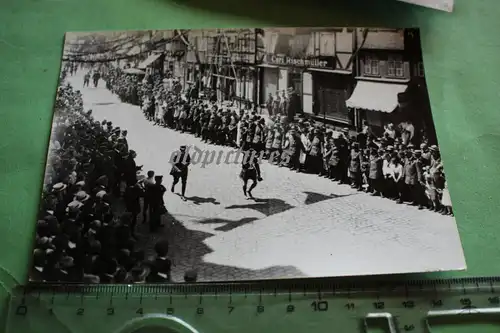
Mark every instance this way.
x=187 y=249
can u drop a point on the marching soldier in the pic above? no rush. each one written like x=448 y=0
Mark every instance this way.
x=250 y=170
x=96 y=78
x=179 y=170
x=86 y=79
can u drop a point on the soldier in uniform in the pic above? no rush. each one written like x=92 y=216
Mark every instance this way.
x=375 y=175
x=293 y=146
x=205 y=121
x=181 y=161
x=334 y=171
x=258 y=138
x=316 y=152
x=250 y=170
x=355 y=161
x=96 y=78
x=277 y=144
x=252 y=124
x=232 y=129
x=86 y=79
x=414 y=179
x=269 y=141
x=342 y=143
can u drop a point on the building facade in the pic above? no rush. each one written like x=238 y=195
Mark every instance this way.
x=390 y=84
x=315 y=63
x=229 y=70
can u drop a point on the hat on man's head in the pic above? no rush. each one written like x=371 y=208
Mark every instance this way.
x=100 y=194
x=81 y=196
x=59 y=187
x=434 y=148
x=74 y=206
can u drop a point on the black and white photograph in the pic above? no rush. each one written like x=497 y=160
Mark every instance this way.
x=446 y=5
x=243 y=154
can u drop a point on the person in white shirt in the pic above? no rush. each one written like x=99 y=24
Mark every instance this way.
x=387 y=172
x=396 y=169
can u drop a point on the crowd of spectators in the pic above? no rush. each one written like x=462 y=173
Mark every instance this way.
x=396 y=162
x=93 y=194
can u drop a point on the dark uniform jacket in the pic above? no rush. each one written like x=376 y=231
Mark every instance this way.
x=277 y=139
x=412 y=172
x=375 y=171
x=334 y=159
x=355 y=162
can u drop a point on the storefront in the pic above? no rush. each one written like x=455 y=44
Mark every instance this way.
x=269 y=81
x=321 y=88
x=279 y=76
x=377 y=102
x=331 y=89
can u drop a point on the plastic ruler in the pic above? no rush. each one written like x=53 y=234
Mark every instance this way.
x=333 y=305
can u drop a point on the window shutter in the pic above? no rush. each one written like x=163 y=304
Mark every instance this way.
x=406 y=70
x=383 y=68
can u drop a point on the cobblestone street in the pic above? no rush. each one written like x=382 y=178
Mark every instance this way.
x=298 y=225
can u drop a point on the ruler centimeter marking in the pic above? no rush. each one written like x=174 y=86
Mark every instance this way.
x=403 y=306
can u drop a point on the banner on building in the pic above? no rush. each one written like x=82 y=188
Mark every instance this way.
x=323 y=62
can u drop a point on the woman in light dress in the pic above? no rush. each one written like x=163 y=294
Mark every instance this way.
x=306 y=145
x=396 y=174
x=158 y=110
x=446 y=200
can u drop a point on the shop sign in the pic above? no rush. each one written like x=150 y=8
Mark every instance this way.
x=316 y=62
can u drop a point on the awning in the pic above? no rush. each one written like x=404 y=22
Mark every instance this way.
x=152 y=58
x=133 y=71
x=376 y=96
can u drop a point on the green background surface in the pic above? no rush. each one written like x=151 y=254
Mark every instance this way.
x=461 y=55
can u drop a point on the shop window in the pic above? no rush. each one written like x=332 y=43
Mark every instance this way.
x=371 y=67
x=395 y=67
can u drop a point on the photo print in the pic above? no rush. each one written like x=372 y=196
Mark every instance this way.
x=446 y=5
x=243 y=154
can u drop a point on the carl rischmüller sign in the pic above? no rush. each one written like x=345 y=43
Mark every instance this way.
x=318 y=62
